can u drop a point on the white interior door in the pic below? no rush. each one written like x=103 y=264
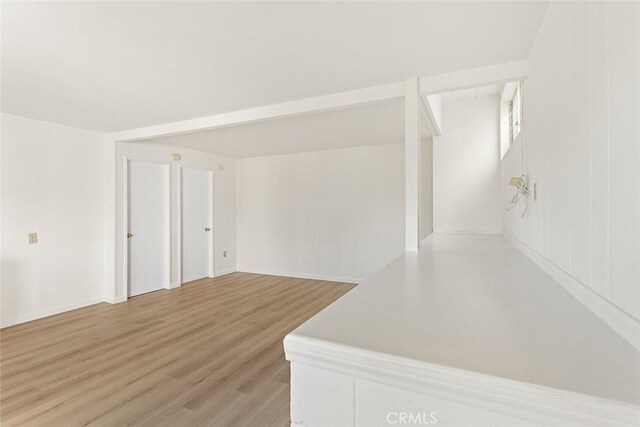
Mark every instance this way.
x=196 y=224
x=147 y=226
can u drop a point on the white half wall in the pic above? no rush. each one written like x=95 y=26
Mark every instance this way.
x=336 y=214
x=581 y=135
x=466 y=167
x=51 y=179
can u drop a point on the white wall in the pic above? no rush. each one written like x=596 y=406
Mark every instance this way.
x=53 y=182
x=335 y=214
x=426 y=187
x=51 y=178
x=581 y=132
x=466 y=167
x=224 y=227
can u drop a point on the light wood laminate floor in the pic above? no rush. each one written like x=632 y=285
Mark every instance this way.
x=207 y=353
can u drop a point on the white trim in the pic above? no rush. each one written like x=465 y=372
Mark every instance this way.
x=115 y=300
x=497 y=232
x=50 y=312
x=475 y=77
x=125 y=228
x=167 y=225
x=224 y=272
x=178 y=249
x=544 y=405
x=267 y=112
x=621 y=322
x=340 y=279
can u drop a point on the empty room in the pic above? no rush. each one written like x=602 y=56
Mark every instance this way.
x=320 y=213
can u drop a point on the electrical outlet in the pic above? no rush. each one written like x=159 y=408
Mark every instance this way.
x=224 y=254
x=535 y=191
x=33 y=238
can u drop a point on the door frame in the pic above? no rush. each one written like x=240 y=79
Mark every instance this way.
x=210 y=216
x=167 y=219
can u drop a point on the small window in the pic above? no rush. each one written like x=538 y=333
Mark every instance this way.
x=515 y=113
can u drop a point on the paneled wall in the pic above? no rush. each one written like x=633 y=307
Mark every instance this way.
x=336 y=214
x=466 y=167
x=581 y=139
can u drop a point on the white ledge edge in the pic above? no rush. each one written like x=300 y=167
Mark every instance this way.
x=522 y=400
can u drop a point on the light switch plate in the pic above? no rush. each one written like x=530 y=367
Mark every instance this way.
x=33 y=238
x=224 y=254
x=535 y=191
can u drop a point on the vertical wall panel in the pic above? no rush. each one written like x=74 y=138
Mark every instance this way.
x=581 y=137
x=561 y=30
x=580 y=147
x=624 y=131
x=599 y=121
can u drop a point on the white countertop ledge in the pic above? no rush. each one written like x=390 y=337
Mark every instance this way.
x=470 y=315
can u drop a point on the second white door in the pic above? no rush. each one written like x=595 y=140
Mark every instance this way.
x=196 y=224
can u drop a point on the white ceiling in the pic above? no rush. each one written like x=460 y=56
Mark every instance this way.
x=370 y=124
x=108 y=66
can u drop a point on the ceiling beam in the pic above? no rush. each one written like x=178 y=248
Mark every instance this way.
x=268 y=112
x=475 y=77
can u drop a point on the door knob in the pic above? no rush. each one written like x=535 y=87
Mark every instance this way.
x=207 y=229
x=129 y=235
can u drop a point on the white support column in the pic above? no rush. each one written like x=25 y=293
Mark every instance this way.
x=412 y=163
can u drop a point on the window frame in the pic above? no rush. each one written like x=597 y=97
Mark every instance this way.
x=515 y=113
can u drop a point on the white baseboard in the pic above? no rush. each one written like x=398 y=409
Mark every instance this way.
x=49 y=312
x=440 y=231
x=224 y=272
x=341 y=279
x=115 y=300
x=623 y=323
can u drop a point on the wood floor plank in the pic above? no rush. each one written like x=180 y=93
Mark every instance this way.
x=207 y=353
